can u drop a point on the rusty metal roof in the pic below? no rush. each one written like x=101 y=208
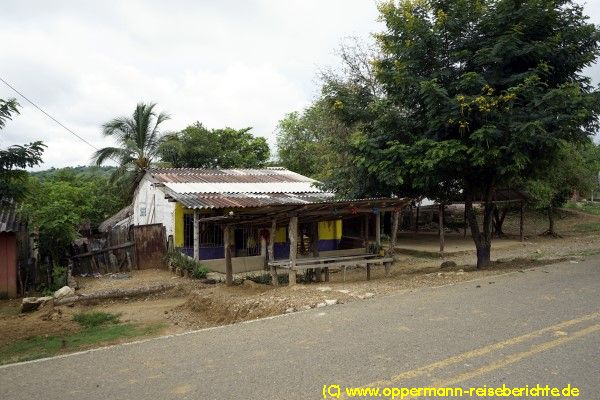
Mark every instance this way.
x=9 y=219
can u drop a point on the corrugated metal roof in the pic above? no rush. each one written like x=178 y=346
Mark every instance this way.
x=246 y=200
x=9 y=219
x=243 y=187
x=198 y=175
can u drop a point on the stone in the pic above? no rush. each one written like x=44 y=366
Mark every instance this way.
x=319 y=305
x=64 y=291
x=305 y=308
x=33 y=303
x=331 y=302
x=367 y=295
x=290 y=310
x=448 y=264
x=324 y=288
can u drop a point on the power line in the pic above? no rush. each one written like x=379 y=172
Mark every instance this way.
x=49 y=116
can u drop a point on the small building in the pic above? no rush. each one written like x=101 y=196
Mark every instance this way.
x=9 y=228
x=197 y=206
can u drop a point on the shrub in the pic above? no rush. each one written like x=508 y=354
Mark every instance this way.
x=59 y=277
x=199 y=272
x=179 y=260
x=94 y=319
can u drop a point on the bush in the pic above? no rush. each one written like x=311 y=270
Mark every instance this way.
x=94 y=319
x=179 y=260
x=199 y=272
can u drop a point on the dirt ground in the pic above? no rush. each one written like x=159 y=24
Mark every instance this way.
x=192 y=304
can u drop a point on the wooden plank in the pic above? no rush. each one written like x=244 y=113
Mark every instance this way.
x=228 y=265
x=293 y=232
x=300 y=261
x=362 y=263
x=96 y=252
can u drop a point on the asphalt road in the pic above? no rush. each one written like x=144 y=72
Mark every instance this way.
x=537 y=326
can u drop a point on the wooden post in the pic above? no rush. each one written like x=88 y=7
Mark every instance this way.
x=315 y=249
x=196 y=235
x=293 y=233
x=465 y=222
x=366 y=232
x=441 y=225
x=228 y=266
x=378 y=230
x=271 y=251
x=263 y=250
x=521 y=223
x=395 y=223
x=417 y=219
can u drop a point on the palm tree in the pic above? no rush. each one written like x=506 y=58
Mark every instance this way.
x=138 y=139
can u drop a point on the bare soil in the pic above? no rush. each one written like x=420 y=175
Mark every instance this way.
x=192 y=304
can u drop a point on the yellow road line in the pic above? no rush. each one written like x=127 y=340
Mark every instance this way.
x=513 y=358
x=414 y=373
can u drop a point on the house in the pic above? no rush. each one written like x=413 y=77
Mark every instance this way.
x=198 y=206
x=9 y=228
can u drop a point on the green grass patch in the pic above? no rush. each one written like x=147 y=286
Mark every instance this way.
x=47 y=346
x=94 y=319
x=588 y=227
x=586 y=207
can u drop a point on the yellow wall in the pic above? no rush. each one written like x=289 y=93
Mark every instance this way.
x=179 y=212
x=330 y=230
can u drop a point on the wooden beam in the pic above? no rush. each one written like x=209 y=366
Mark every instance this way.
x=228 y=265
x=315 y=248
x=441 y=226
x=271 y=251
x=196 y=235
x=417 y=219
x=293 y=233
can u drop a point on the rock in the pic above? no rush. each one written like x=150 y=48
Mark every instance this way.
x=305 y=308
x=331 y=302
x=538 y=251
x=249 y=284
x=367 y=295
x=448 y=264
x=33 y=303
x=319 y=305
x=324 y=288
x=290 y=310
x=345 y=291
x=64 y=291
x=460 y=272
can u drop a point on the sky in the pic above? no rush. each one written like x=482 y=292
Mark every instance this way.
x=223 y=63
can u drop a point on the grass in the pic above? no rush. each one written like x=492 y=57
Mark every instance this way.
x=94 y=319
x=97 y=328
x=588 y=227
x=587 y=207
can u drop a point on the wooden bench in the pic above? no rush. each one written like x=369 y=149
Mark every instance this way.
x=343 y=262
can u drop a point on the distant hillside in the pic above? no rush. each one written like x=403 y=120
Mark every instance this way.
x=82 y=171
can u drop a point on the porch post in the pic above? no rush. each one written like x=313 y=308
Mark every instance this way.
x=366 y=232
x=315 y=249
x=196 y=235
x=378 y=229
x=228 y=265
x=395 y=223
x=271 y=251
x=417 y=219
x=293 y=232
x=441 y=226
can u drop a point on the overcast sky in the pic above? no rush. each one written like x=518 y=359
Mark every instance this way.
x=223 y=63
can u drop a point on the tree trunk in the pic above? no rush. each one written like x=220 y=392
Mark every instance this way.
x=481 y=237
x=551 y=221
x=499 y=220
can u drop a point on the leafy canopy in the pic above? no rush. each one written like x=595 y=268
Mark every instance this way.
x=199 y=147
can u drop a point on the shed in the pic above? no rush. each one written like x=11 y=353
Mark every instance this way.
x=9 y=227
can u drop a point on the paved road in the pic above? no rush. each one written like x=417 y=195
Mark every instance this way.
x=538 y=326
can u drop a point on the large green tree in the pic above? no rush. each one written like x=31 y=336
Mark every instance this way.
x=485 y=91
x=199 y=147
x=14 y=159
x=138 y=138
